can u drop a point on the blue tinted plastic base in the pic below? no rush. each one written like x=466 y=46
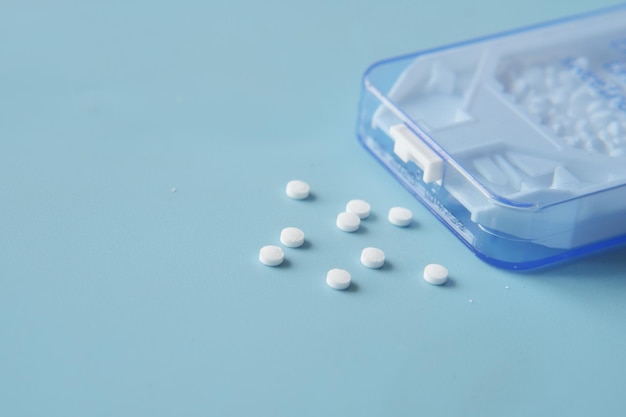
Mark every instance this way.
x=517 y=144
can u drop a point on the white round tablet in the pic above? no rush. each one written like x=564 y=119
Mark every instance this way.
x=359 y=207
x=348 y=222
x=435 y=274
x=292 y=237
x=271 y=255
x=400 y=216
x=298 y=190
x=372 y=257
x=338 y=279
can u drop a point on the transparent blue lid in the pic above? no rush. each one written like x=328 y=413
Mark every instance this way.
x=517 y=142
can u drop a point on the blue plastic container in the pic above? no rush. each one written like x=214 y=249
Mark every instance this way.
x=516 y=142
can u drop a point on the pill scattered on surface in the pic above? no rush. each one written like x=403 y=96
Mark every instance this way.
x=348 y=222
x=271 y=255
x=298 y=190
x=400 y=216
x=359 y=207
x=173 y=189
x=372 y=257
x=435 y=274
x=292 y=237
x=338 y=279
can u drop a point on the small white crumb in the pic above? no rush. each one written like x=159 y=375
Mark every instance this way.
x=173 y=189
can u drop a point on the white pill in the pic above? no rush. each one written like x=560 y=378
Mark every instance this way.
x=271 y=255
x=372 y=257
x=338 y=279
x=359 y=207
x=292 y=237
x=400 y=216
x=435 y=274
x=298 y=190
x=348 y=222
x=518 y=86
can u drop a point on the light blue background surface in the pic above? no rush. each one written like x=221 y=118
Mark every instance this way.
x=119 y=297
